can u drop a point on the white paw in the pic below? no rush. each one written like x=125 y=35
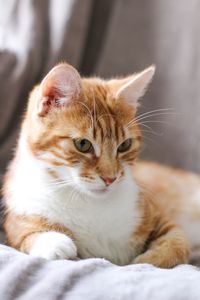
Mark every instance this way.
x=54 y=245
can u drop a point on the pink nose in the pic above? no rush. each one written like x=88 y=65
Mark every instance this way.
x=108 y=181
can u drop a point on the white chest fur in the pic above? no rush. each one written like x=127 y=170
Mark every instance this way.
x=102 y=226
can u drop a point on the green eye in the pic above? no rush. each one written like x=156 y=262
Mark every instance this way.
x=83 y=145
x=125 y=146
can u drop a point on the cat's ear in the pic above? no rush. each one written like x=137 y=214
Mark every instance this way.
x=61 y=86
x=135 y=86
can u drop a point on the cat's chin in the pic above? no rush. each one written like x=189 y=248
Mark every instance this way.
x=100 y=192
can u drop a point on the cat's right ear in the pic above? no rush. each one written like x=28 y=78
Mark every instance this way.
x=60 y=87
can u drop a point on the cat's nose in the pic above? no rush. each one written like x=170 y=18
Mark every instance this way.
x=108 y=181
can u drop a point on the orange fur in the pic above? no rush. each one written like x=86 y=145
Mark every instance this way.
x=159 y=238
x=22 y=230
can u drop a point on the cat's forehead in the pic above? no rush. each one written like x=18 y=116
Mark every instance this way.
x=97 y=112
x=101 y=99
x=96 y=89
x=95 y=124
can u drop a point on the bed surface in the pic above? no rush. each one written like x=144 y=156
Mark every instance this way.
x=24 y=277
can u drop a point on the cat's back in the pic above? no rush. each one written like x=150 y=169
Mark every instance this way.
x=166 y=181
x=176 y=191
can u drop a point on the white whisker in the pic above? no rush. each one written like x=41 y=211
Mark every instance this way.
x=153 y=111
x=94 y=108
x=150 y=114
x=146 y=126
x=88 y=110
x=134 y=121
x=104 y=115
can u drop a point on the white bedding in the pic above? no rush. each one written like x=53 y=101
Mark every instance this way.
x=24 y=277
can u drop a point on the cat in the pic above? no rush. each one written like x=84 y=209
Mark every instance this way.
x=76 y=189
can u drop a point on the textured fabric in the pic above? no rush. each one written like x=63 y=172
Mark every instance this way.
x=26 y=278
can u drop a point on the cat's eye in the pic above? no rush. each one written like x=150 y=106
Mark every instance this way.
x=83 y=145
x=125 y=146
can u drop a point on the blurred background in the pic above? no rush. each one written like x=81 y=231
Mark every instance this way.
x=108 y=38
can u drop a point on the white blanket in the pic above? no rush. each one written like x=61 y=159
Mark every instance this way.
x=24 y=277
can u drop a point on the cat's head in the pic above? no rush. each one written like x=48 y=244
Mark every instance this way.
x=84 y=129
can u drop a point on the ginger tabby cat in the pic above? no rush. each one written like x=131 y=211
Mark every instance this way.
x=75 y=187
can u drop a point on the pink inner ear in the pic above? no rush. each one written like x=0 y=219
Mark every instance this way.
x=50 y=88
x=61 y=86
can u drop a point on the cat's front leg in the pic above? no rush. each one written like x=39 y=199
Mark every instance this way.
x=36 y=236
x=168 y=249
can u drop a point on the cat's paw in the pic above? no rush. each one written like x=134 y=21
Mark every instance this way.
x=149 y=257
x=154 y=258
x=142 y=259
x=54 y=245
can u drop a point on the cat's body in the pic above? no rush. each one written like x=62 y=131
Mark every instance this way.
x=177 y=193
x=75 y=189
x=101 y=227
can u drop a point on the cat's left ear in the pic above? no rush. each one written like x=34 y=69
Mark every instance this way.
x=135 y=86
